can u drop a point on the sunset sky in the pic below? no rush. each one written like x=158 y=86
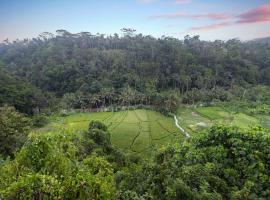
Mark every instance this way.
x=211 y=19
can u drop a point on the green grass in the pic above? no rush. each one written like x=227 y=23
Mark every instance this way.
x=242 y=120
x=265 y=121
x=142 y=142
x=158 y=132
x=213 y=113
x=124 y=134
x=190 y=118
x=134 y=130
x=141 y=130
x=142 y=115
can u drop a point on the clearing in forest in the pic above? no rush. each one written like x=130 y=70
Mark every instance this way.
x=135 y=130
x=195 y=119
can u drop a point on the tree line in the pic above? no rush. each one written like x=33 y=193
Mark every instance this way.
x=87 y=70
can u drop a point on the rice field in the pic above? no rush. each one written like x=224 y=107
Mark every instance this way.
x=135 y=130
x=142 y=130
x=195 y=119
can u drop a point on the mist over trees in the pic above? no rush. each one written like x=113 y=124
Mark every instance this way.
x=87 y=70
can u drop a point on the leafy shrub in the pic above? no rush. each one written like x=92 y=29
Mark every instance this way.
x=33 y=186
x=221 y=163
x=14 y=127
x=39 y=120
x=47 y=167
x=98 y=132
x=97 y=125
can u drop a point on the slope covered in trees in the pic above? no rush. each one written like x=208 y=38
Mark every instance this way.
x=95 y=70
x=21 y=94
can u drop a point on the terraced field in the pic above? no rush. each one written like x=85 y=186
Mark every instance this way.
x=136 y=130
x=194 y=119
x=141 y=130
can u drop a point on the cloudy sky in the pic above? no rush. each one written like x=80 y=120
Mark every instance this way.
x=211 y=19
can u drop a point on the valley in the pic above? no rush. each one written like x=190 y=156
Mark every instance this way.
x=142 y=131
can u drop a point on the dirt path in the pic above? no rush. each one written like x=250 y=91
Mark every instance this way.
x=178 y=126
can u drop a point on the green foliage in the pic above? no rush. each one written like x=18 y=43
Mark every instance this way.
x=23 y=96
x=13 y=130
x=33 y=186
x=92 y=71
x=167 y=102
x=97 y=125
x=39 y=120
x=217 y=94
x=48 y=167
x=222 y=163
x=98 y=132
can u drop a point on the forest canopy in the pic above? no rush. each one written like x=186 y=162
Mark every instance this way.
x=90 y=71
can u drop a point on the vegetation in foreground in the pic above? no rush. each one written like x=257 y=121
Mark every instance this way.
x=220 y=163
x=63 y=165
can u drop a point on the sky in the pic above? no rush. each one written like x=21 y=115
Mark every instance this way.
x=211 y=19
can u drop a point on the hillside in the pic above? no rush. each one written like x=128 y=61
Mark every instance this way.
x=136 y=69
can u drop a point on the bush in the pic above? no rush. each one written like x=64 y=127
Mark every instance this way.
x=97 y=125
x=220 y=163
x=47 y=167
x=14 y=127
x=39 y=120
x=97 y=131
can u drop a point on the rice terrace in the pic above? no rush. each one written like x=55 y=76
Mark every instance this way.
x=141 y=130
x=135 y=130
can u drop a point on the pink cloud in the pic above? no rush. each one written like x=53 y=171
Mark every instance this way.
x=256 y=15
x=213 y=16
x=260 y=14
x=210 y=27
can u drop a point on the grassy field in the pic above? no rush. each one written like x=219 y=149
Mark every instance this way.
x=135 y=130
x=141 y=130
x=194 y=119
